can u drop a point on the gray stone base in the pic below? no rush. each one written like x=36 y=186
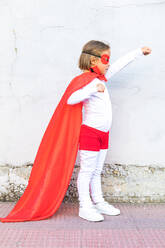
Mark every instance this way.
x=120 y=183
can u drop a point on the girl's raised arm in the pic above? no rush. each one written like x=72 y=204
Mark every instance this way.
x=123 y=61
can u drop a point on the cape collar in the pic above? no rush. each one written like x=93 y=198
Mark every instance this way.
x=99 y=74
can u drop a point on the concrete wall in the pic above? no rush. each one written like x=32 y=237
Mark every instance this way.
x=40 y=44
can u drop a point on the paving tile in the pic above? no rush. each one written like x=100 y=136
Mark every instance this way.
x=138 y=226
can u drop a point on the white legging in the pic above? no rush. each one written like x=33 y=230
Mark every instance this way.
x=89 y=177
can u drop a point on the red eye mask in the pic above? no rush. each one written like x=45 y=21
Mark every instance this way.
x=105 y=59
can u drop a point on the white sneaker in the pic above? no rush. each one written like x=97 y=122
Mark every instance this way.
x=105 y=208
x=90 y=213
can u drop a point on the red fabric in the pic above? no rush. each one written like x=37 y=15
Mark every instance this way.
x=97 y=70
x=55 y=159
x=92 y=139
x=105 y=58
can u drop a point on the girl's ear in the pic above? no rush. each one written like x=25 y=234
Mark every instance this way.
x=93 y=60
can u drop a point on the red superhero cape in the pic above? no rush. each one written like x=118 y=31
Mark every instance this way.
x=55 y=159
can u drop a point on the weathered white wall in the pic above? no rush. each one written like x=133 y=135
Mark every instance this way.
x=40 y=44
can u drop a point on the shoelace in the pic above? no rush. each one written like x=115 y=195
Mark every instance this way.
x=107 y=204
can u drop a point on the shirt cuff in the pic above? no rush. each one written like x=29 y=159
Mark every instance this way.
x=139 y=52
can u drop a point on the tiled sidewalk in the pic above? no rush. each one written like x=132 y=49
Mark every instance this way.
x=138 y=226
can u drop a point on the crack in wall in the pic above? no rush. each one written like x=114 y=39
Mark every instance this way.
x=15 y=58
x=15 y=41
x=16 y=166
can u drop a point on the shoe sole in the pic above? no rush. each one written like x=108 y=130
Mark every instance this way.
x=90 y=219
x=102 y=212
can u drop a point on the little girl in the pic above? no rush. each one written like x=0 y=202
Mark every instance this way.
x=94 y=134
x=66 y=132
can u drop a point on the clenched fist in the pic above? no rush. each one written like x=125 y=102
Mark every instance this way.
x=100 y=87
x=146 y=50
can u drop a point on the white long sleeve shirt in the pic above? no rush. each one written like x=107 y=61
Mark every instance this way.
x=97 y=105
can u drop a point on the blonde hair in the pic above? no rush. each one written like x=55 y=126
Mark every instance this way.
x=91 y=48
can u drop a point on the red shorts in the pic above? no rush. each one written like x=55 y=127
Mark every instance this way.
x=92 y=139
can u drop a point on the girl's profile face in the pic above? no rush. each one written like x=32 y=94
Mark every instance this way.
x=102 y=67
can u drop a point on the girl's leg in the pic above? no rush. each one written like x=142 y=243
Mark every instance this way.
x=96 y=191
x=88 y=160
x=95 y=183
